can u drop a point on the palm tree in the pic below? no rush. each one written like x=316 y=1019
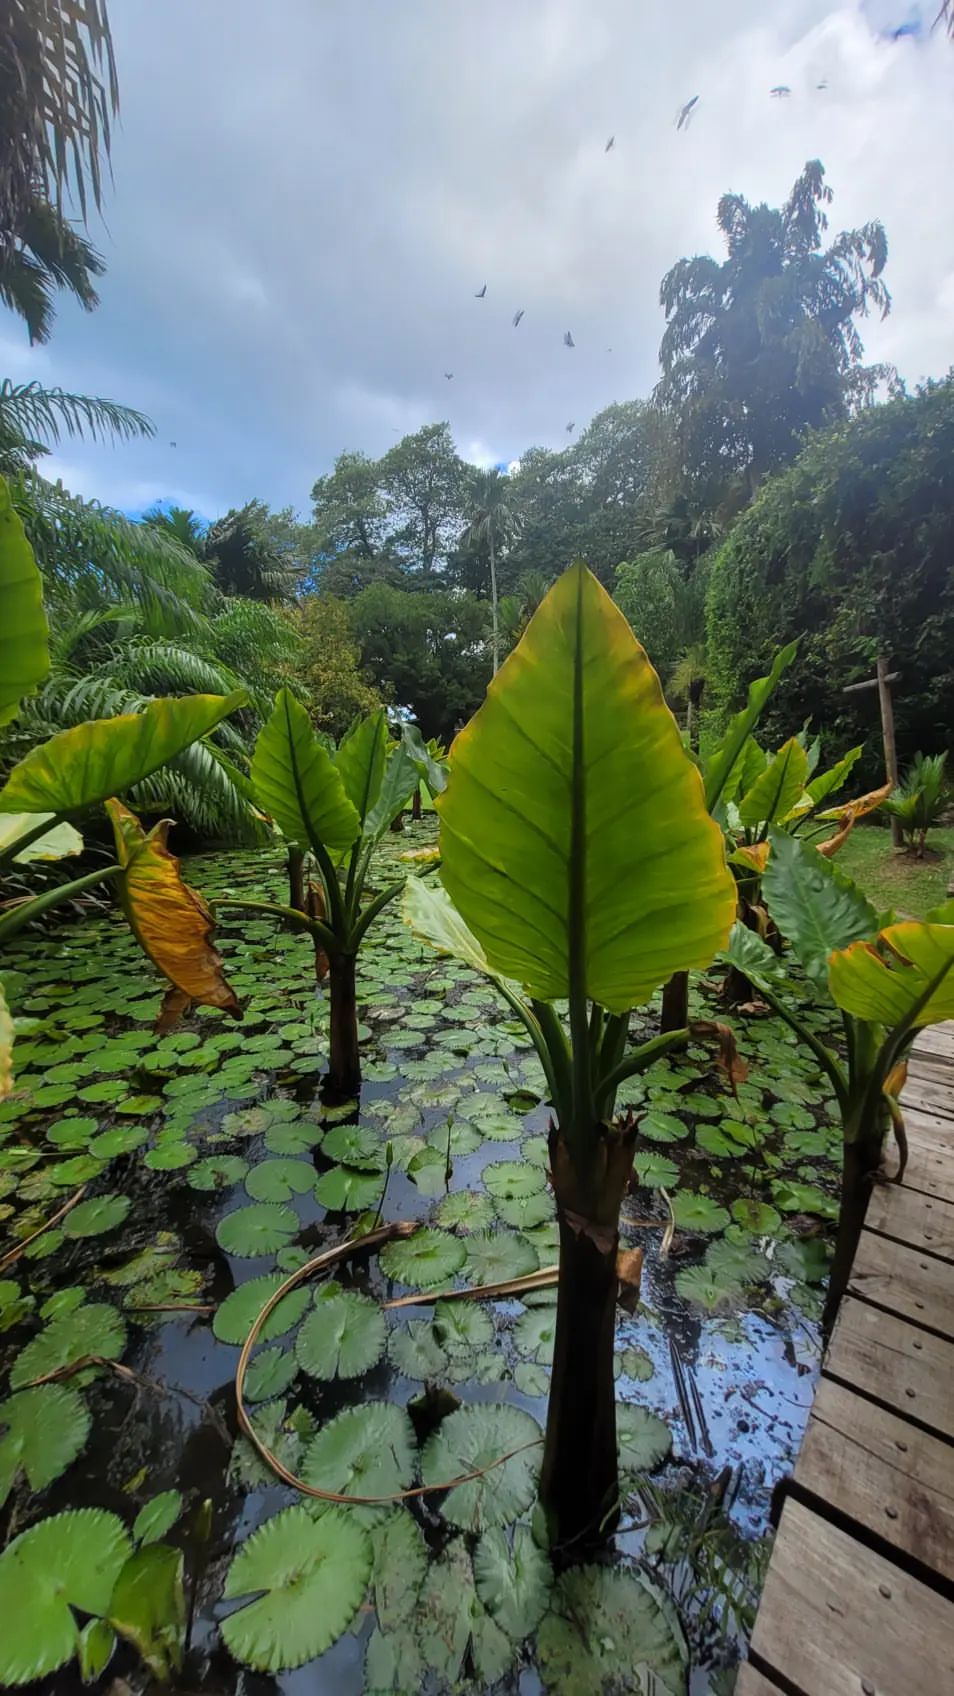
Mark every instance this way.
x=188 y=529
x=243 y=557
x=492 y=523
x=58 y=95
x=32 y=417
x=687 y=683
x=48 y=254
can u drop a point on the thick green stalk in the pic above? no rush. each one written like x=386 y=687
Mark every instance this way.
x=361 y=927
x=16 y=918
x=632 y=1064
x=274 y=909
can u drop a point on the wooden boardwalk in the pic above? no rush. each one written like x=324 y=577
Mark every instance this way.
x=859 y=1597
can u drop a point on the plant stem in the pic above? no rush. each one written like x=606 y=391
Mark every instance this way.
x=675 y=1003
x=344 y=1072
x=15 y=918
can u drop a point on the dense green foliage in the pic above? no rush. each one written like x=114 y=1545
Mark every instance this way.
x=850 y=548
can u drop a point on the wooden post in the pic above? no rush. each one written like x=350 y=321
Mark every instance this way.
x=887 y=731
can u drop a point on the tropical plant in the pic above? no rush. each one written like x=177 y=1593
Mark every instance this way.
x=49 y=254
x=888 y=980
x=243 y=557
x=335 y=806
x=330 y=666
x=490 y=525
x=920 y=799
x=32 y=416
x=579 y=863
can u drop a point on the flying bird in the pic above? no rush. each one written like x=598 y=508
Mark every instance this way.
x=781 y=91
x=517 y=317
x=685 y=113
x=609 y=144
x=172 y=444
x=480 y=293
x=568 y=340
x=821 y=85
x=571 y=427
x=448 y=375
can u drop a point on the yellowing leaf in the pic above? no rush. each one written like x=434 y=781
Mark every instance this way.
x=862 y=805
x=24 y=651
x=171 y=922
x=575 y=840
x=6 y=1048
x=906 y=977
x=752 y=856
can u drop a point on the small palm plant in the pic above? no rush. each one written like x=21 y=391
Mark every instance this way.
x=920 y=799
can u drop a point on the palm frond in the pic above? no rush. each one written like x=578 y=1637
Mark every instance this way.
x=160 y=667
x=31 y=409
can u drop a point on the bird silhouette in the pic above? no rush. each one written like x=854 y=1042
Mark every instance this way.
x=172 y=444
x=609 y=144
x=571 y=427
x=480 y=293
x=517 y=317
x=568 y=340
x=821 y=85
x=781 y=91
x=448 y=375
x=685 y=113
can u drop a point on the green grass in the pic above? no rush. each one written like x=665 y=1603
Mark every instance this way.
x=896 y=879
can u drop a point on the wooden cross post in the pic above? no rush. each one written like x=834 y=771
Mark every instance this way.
x=882 y=681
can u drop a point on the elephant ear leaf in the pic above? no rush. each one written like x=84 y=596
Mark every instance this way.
x=575 y=840
x=433 y=772
x=428 y=911
x=360 y=758
x=720 y=766
x=24 y=648
x=777 y=788
x=82 y=767
x=400 y=782
x=815 y=907
x=906 y=977
x=297 y=783
x=170 y=921
x=750 y=955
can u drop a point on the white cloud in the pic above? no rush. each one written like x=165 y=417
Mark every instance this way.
x=307 y=199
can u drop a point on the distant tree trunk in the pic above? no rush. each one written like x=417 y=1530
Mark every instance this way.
x=416 y=804
x=675 y=1003
x=890 y=748
x=344 y=1071
x=296 y=879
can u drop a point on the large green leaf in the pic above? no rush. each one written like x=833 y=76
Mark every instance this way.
x=432 y=772
x=720 y=765
x=827 y=782
x=41 y=1431
x=777 y=788
x=81 y=767
x=816 y=908
x=908 y=978
x=360 y=758
x=297 y=782
x=476 y=1439
x=398 y=785
x=606 y=1630
x=343 y=1335
x=428 y=911
x=24 y=652
x=575 y=839
x=55 y=844
x=308 y=1577
x=69 y=1561
x=364 y=1451
x=95 y=1328
x=148 y=1607
x=753 y=957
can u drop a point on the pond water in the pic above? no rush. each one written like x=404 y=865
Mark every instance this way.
x=211 y=1164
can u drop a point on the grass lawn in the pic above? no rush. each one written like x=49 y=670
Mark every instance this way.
x=898 y=880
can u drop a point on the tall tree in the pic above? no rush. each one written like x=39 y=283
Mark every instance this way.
x=424 y=482
x=244 y=558
x=426 y=650
x=759 y=346
x=350 y=509
x=490 y=525
x=182 y=523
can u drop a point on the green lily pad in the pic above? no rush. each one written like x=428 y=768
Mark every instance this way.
x=530 y=1379
x=344 y=1190
x=270 y=1373
x=643 y=1439
x=364 y=1451
x=95 y=1328
x=356 y=1145
x=513 y=1583
x=279 y=1179
x=400 y=1562
x=342 y=1337
x=662 y=1127
x=756 y=1216
x=462 y=1327
x=422 y=1261
x=256 y=1230
x=636 y=1364
x=467 y=1210
x=296 y=1137
x=655 y=1172
x=534 y=1334
x=604 y=1630
x=217 y=1172
x=471 y=1440
x=493 y=1257
x=92 y=1218
x=108 y=1145
x=157 y=1517
x=308 y=1577
x=793 y=1197
x=72 y=1132
x=526 y=1212
x=416 y=1353
x=702 y=1287
x=43 y=1431
x=234 y=1319
x=170 y=1156
x=698 y=1212
x=513 y=1180
x=69 y=1561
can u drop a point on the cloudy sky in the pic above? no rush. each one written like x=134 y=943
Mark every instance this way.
x=308 y=194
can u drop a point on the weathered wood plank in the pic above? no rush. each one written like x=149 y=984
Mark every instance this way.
x=927 y=1127
x=837 y=1620
x=752 y=1683
x=936 y=1039
x=881 y=1472
x=932 y=1068
x=907 y=1370
x=905 y=1281
x=930 y=1166
x=909 y=1217
x=928 y=1096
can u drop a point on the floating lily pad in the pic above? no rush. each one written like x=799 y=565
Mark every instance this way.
x=270 y=1373
x=342 y=1337
x=400 y=1562
x=530 y=1379
x=234 y=1319
x=72 y=1132
x=655 y=1172
x=217 y=1172
x=793 y=1197
x=462 y=1327
x=422 y=1261
x=702 y=1287
x=170 y=1156
x=41 y=1433
x=468 y=1210
x=279 y=1179
x=95 y=1328
x=604 y=1630
x=356 y=1145
x=643 y=1439
x=108 y=1145
x=534 y=1334
x=295 y=1137
x=755 y=1216
x=308 y=1576
x=493 y=1257
x=513 y=1583
x=471 y=1440
x=526 y=1212
x=513 y=1180
x=698 y=1212
x=662 y=1127
x=92 y=1218
x=416 y=1353
x=636 y=1364
x=69 y=1561
x=256 y=1230
x=364 y=1451
x=344 y=1190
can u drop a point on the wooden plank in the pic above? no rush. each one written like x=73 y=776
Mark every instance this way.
x=932 y=1068
x=838 y=1620
x=928 y=1127
x=929 y=1171
x=929 y=1097
x=882 y=1473
x=936 y=1039
x=905 y=1281
x=752 y=1683
x=905 y=1369
x=918 y=1220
